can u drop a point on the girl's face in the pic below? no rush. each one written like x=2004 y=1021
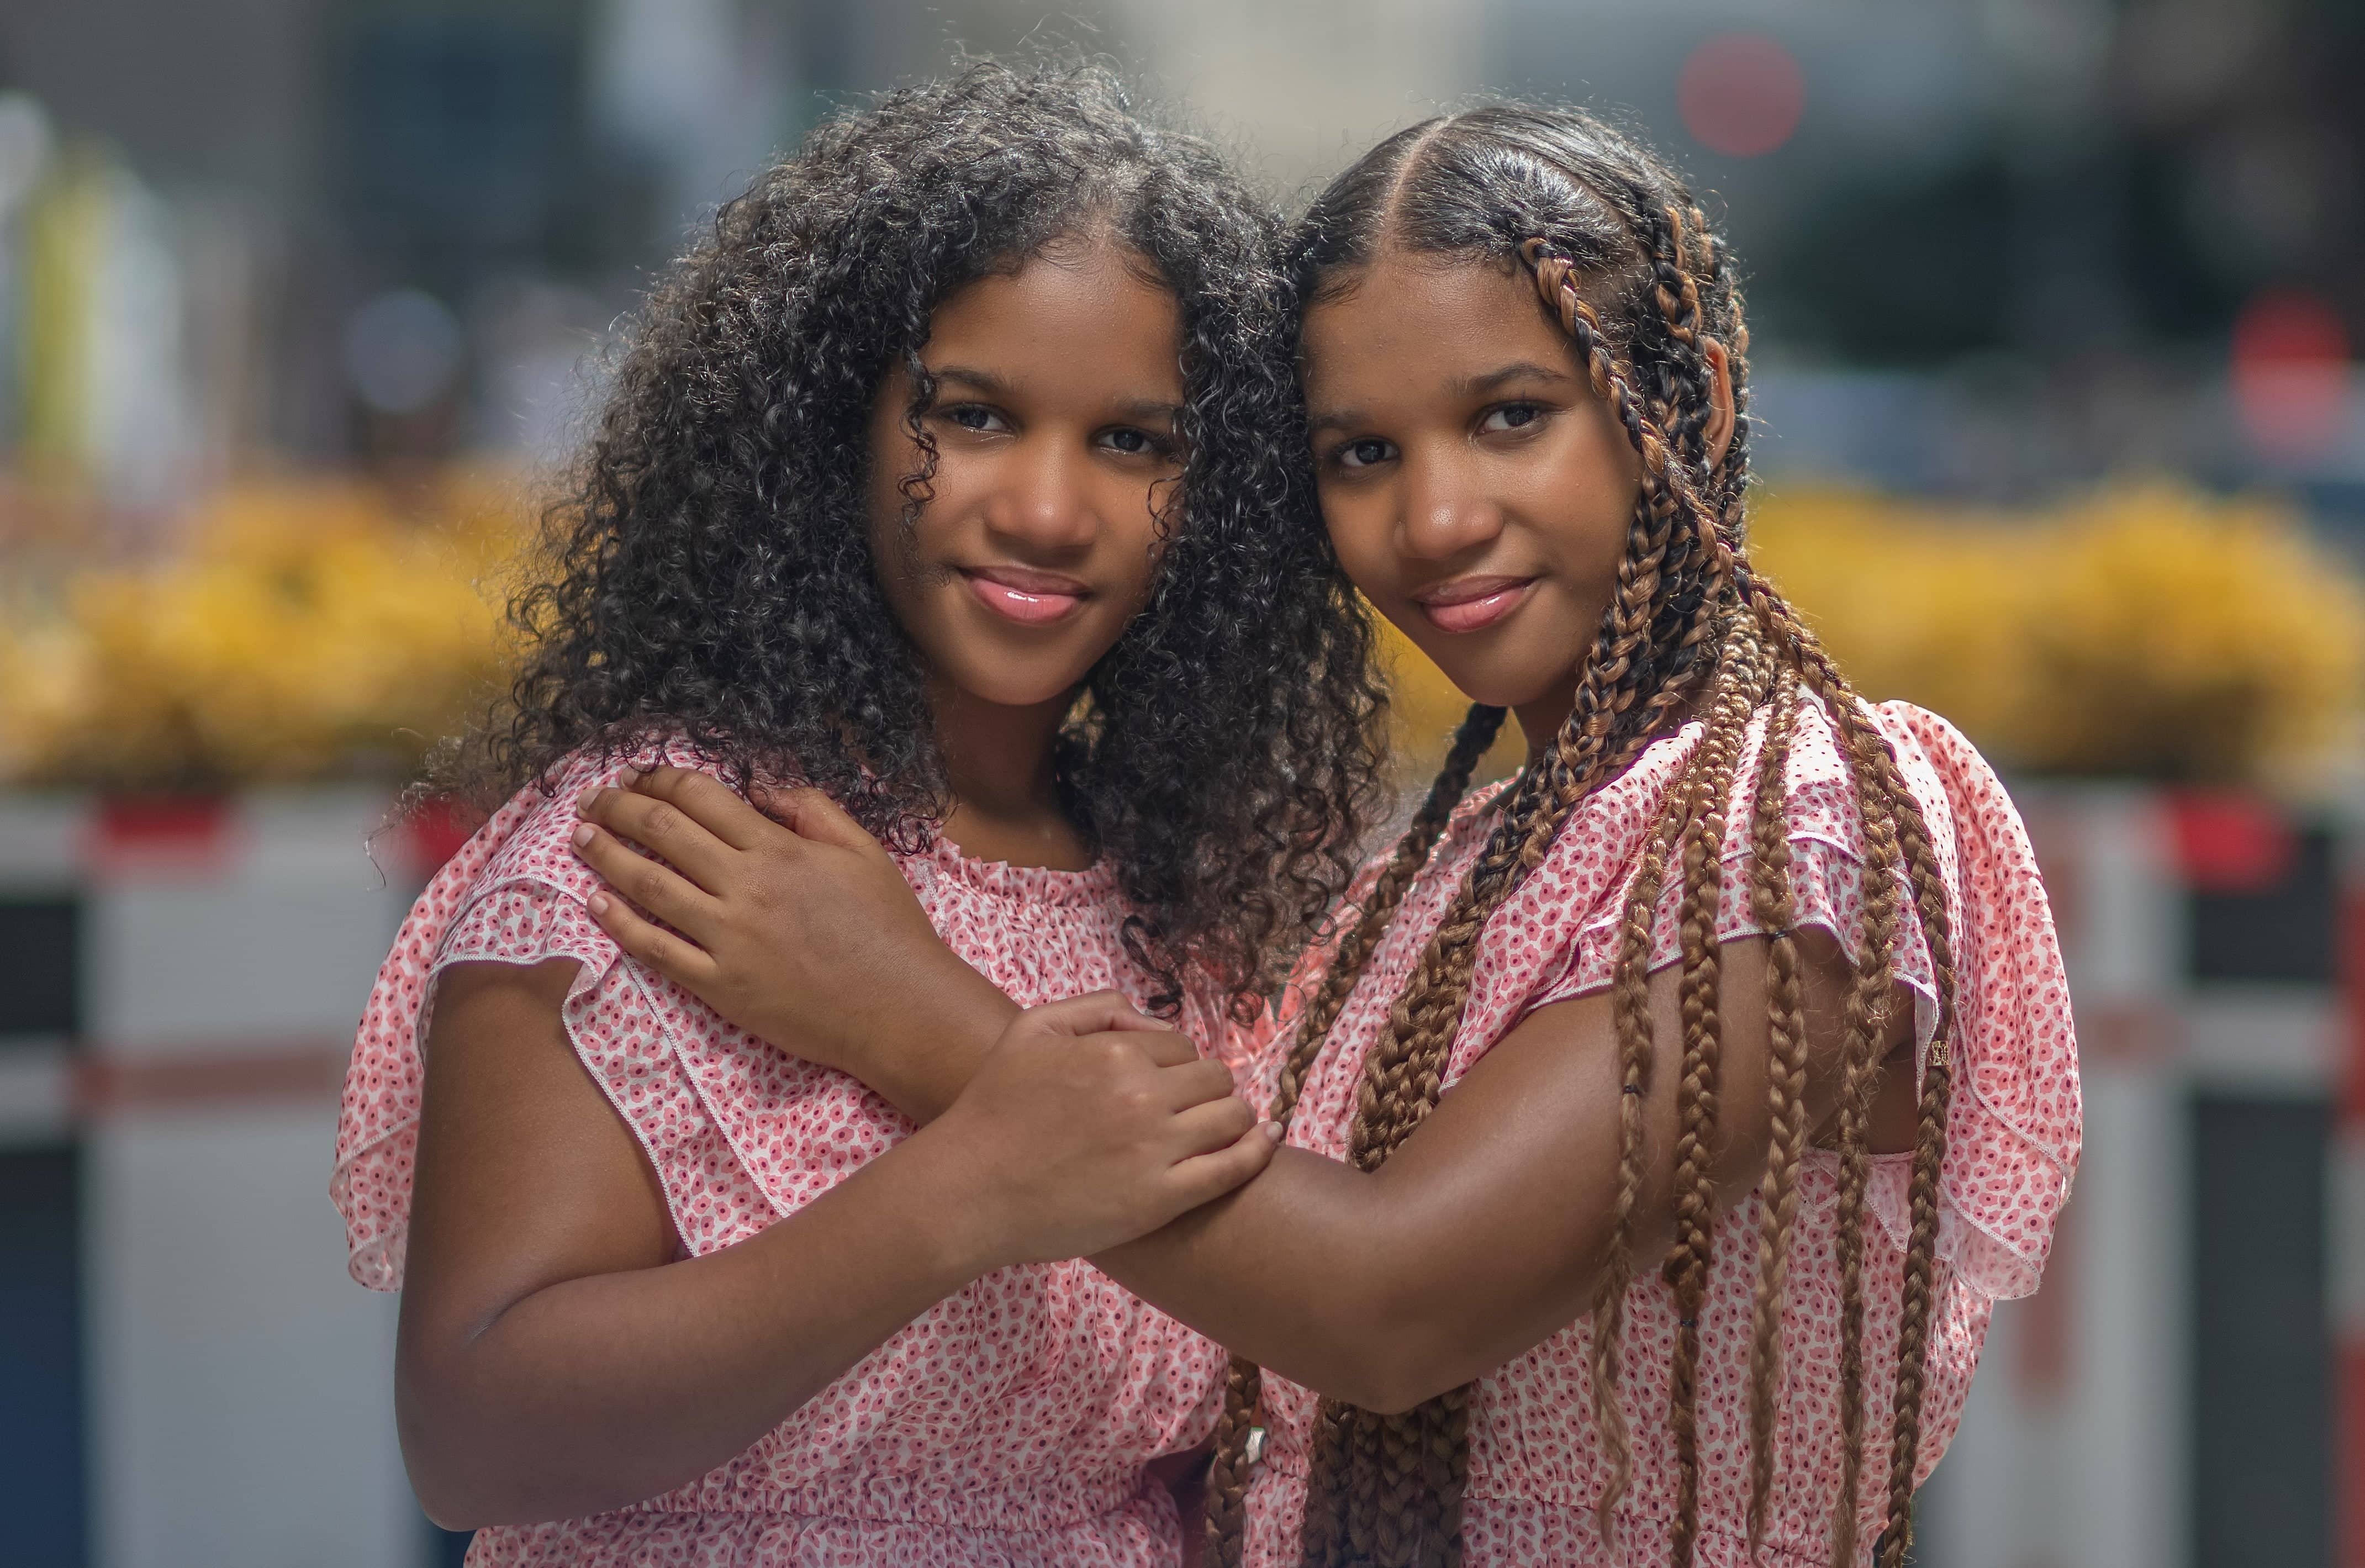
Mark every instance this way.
x=1059 y=389
x=1477 y=492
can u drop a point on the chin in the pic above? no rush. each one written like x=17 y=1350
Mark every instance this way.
x=1497 y=694
x=1492 y=683
x=1005 y=687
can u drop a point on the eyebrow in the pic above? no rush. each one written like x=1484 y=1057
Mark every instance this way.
x=1149 y=411
x=1144 y=411
x=1466 y=386
x=1519 y=370
x=976 y=380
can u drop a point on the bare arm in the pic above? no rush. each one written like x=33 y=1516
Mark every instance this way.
x=1484 y=1233
x=1487 y=1229
x=553 y=1360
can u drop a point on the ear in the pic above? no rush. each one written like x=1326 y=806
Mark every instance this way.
x=1718 y=433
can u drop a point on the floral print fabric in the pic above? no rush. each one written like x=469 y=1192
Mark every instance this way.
x=1535 y=1473
x=1006 y=1426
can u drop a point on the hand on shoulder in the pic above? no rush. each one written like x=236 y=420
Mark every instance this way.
x=797 y=926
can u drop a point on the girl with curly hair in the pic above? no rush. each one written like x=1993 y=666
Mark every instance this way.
x=1664 y=1124
x=937 y=481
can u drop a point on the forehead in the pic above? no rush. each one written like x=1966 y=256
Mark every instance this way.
x=1089 y=309
x=1409 y=322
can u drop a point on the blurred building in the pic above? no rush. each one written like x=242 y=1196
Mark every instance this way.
x=1995 y=245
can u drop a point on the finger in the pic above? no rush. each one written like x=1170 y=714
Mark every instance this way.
x=655 y=887
x=1219 y=1123
x=1194 y=1083
x=1206 y=1177
x=708 y=801
x=809 y=813
x=678 y=958
x=664 y=829
x=1164 y=1047
x=1095 y=1013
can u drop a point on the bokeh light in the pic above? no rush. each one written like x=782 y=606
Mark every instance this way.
x=403 y=352
x=1741 y=95
x=2291 y=373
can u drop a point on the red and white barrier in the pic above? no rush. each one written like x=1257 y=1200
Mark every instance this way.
x=2080 y=1446
x=239 y=1394
x=2347 y=1202
x=240 y=1398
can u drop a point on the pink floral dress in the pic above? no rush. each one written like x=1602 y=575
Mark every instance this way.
x=1535 y=1473
x=1007 y=1426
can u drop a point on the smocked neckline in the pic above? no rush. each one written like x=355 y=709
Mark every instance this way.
x=1030 y=884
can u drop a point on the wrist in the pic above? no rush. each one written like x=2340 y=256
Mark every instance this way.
x=964 y=1224
x=923 y=1061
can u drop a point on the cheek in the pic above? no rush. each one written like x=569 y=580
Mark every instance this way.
x=1616 y=465
x=901 y=540
x=1595 y=486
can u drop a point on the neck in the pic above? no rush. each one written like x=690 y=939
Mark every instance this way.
x=998 y=761
x=1541 y=718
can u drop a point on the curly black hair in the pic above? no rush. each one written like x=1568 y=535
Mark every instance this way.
x=709 y=573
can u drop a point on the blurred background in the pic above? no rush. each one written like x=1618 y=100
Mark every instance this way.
x=2055 y=306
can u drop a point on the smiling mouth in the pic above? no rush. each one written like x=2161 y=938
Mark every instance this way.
x=1027 y=598
x=1473 y=604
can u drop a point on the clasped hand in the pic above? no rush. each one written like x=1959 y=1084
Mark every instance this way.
x=1090 y=1123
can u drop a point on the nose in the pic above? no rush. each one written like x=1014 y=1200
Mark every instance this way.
x=1446 y=509
x=1045 y=505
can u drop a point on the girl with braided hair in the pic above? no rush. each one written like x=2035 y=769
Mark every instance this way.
x=933 y=479
x=1663 y=1125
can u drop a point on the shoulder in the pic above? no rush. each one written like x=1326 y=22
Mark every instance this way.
x=1817 y=791
x=531 y=839
x=519 y=893
x=1464 y=832
x=1945 y=771
x=1820 y=792
x=1561 y=934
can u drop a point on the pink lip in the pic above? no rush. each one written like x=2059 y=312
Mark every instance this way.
x=1029 y=598
x=1473 y=604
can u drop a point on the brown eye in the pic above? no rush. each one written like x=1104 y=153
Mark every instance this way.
x=1511 y=416
x=1366 y=452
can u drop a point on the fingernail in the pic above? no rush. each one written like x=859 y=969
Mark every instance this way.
x=582 y=835
x=598 y=903
x=630 y=777
x=1272 y=1132
x=583 y=801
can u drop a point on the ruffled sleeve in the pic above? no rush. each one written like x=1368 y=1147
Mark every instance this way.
x=1582 y=885
x=2014 y=1126
x=493 y=901
x=516 y=894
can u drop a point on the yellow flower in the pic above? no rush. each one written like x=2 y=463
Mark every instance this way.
x=2144 y=630
x=2147 y=631
x=322 y=628
x=308 y=629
